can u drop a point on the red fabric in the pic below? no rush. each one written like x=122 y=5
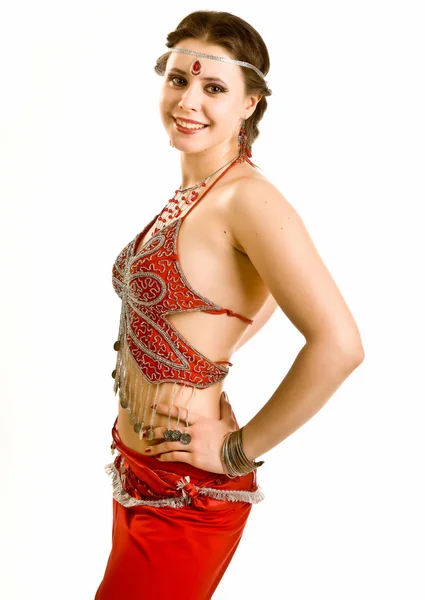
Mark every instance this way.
x=171 y=552
x=155 y=287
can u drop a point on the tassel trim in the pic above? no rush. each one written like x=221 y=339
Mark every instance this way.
x=124 y=498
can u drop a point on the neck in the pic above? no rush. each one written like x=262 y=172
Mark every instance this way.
x=196 y=166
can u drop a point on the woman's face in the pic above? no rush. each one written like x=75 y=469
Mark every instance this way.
x=215 y=97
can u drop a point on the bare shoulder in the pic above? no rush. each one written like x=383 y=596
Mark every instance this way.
x=257 y=197
x=269 y=230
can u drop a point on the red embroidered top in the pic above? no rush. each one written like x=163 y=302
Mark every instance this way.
x=152 y=285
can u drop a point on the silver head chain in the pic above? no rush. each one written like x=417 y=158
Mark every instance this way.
x=241 y=63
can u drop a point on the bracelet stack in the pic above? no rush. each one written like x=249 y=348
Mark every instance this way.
x=233 y=458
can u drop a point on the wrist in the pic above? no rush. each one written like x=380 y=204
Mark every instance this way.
x=233 y=458
x=247 y=451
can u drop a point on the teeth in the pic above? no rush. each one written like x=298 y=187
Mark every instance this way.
x=189 y=125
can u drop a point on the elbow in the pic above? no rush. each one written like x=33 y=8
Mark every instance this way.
x=353 y=353
x=350 y=346
x=355 y=350
x=356 y=357
x=345 y=351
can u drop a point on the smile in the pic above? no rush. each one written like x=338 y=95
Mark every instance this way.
x=184 y=127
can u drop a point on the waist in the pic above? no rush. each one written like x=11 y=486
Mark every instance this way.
x=142 y=480
x=139 y=461
x=202 y=403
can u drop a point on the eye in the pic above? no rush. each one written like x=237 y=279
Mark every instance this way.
x=172 y=77
x=211 y=85
x=217 y=87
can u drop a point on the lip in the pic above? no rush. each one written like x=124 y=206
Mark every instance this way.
x=189 y=121
x=186 y=131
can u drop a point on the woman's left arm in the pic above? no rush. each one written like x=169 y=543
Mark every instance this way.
x=279 y=246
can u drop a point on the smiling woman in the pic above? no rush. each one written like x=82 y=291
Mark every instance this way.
x=195 y=283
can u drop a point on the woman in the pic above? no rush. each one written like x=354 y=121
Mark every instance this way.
x=193 y=291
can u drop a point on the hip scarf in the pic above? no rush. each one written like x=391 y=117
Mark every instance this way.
x=175 y=526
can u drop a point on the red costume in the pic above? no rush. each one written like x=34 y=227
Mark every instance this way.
x=175 y=527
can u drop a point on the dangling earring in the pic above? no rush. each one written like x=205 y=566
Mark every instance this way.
x=242 y=141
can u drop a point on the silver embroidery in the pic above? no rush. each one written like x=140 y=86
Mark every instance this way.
x=151 y=349
x=126 y=500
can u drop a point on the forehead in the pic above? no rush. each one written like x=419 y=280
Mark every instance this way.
x=209 y=67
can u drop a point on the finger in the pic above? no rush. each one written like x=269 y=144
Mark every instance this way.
x=175 y=456
x=167 y=447
x=158 y=432
x=226 y=412
x=164 y=409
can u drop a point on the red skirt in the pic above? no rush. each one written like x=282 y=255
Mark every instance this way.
x=175 y=527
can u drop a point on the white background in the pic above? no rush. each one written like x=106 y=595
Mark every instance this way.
x=83 y=147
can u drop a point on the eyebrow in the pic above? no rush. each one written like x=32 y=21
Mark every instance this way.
x=181 y=72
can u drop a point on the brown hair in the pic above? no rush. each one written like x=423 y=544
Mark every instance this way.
x=241 y=40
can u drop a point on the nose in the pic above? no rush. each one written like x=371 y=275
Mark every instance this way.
x=191 y=98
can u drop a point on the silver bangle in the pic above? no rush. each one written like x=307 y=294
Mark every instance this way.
x=233 y=458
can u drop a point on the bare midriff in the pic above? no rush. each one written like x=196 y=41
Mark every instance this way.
x=206 y=403
x=204 y=246
x=217 y=339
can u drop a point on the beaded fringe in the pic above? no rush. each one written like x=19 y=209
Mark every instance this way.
x=123 y=498
x=134 y=391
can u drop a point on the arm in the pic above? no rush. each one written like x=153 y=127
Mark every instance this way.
x=277 y=242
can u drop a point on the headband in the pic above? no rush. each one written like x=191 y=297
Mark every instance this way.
x=195 y=67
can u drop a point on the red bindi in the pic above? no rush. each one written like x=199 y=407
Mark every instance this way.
x=195 y=68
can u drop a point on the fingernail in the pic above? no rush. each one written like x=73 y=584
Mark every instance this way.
x=148 y=449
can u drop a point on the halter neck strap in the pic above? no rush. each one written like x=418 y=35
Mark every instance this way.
x=209 y=188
